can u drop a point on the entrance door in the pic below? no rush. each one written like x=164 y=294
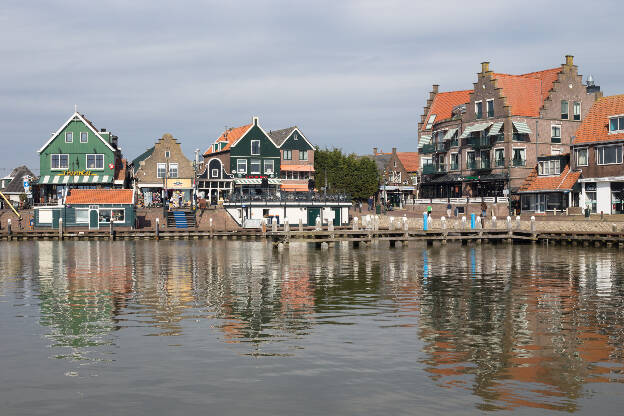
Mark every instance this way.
x=93 y=219
x=541 y=203
x=312 y=214
x=336 y=217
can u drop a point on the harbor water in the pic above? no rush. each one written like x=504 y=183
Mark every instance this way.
x=236 y=327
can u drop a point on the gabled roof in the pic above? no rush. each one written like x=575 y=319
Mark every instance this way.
x=595 y=126
x=279 y=137
x=443 y=104
x=86 y=123
x=136 y=163
x=381 y=160
x=16 y=186
x=100 y=196
x=409 y=160
x=562 y=182
x=526 y=93
x=230 y=136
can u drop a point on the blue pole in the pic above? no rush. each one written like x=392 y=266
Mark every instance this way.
x=473 y=220
x=425 y=222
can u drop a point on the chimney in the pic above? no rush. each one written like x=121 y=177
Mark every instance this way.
x=485 y=67
x=435 y=88
x=394 y=150
x=374 y=151
x=569 y=60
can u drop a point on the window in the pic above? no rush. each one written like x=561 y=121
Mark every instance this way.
x=499 y=157
x=616 y=124
x=577 y=110
x=161 y=170
x=241 y=166
x=117 y=215
x=60 y=161
x=555 y=151
x=214 y=173
x=454 y=161
x=82 y=215
x=255 y=147
x=490 y=108
x=430 y=122
x=84 y=137
x=95 y=162
x=69 y=137
x=45 y=216
x=470 y=160
x=167 y=154
x=581 y=156
x=269 y=167
x=303 y=155
x=295 y=136
x=564 y=110
x=479 y=109
x=607 y=155
x=519 y=157
x=173 y=170
x=254 y=166
x=555 y=134
x=590 y=196
x=549 y=167
x=287 y=154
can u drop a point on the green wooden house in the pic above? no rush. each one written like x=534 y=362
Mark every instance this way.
x=79 y=156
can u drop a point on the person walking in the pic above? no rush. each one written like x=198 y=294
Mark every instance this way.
x=429 y=209
x=483 y=209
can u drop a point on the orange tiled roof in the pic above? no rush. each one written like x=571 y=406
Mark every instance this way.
x=595 y=126
x=443 y=103
x=564 y=181
x=526 y=93
x=229 y=136
x=100 y=196
x=409 y=160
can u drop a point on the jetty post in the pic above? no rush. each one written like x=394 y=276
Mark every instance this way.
x=60 y=229
x=9 y=228
x=157 y=228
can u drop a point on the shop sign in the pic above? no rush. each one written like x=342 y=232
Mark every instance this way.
x=76 y=173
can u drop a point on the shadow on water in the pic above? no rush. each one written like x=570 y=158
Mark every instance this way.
x=516 y=327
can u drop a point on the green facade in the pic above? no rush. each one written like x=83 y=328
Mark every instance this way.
x=268 y=151
x=68 y=214
x=77 y=151
x=299 y=144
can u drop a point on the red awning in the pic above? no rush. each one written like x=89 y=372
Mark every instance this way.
x=297 y=168
x=294 y=187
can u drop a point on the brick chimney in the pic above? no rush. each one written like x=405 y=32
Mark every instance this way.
x=485 y=67
x=394 y=150
x=569 y=60
x=435 y=88
x=374 y=151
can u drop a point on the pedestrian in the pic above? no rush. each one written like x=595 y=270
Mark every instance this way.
x=370 y=203
x=448 y=210
x=429 y=209
x=483 y=209
x=360 y=206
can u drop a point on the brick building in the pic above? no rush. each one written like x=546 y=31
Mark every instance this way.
x=398 y=172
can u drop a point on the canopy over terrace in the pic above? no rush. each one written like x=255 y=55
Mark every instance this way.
x=74 y=179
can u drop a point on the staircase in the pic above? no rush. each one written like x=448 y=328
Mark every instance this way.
x=181 y=219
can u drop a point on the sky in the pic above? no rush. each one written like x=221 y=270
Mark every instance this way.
x=350 y=74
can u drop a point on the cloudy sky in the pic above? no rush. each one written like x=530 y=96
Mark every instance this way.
x=350 y=74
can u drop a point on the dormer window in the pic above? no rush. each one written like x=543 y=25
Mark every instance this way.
x=616 y=124
x=549 y=167
x=430 y=122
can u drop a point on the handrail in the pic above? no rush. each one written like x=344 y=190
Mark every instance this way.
x=11 y=206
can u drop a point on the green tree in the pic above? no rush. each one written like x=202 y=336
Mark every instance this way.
x=350 y=174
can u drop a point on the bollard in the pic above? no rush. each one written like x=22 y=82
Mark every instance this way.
x=614 y=228
x=110 y=231
x=425 y=222
x=211 y=229
x=508 y=224
x=391 y=224
x=532 y=225
x=555 y=212
x=443 y=223
x=354 y=223
x=318 y=224
x=300 y=224
x=464 y=223
x=405 y=224
x=517 y=222
x=429 y=221
x=472 y=221
x=274 y=225
x=60 y=228
x=494 y=222
x=478 y=222
x=9 y=226
x=263 y=226
x=286 y=225
x=157 y=227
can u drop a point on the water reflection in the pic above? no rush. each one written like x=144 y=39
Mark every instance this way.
x=515 y=326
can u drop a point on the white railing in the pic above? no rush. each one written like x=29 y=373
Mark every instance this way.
x=459 y=200
x=439 y=201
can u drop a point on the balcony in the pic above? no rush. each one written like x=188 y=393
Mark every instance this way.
x=454 y=143
x=440 y=147
x=480 y=142
x=471 y=164
x=520 y=137
x=454 y=166
x=427 y=148
x=500 y=163
x=433 y=169
x=441 y=168
x=485 y=165
x=518 y=162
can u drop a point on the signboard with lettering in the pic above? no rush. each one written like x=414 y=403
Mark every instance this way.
x=76 y=173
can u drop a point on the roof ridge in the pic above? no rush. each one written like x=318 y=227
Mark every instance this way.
x=564 y=178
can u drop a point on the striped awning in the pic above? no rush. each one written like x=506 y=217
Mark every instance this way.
x=495 y=129
x=74 y=179
x=255 y=181
x=449 y=134
x=424 y=140
x=474 y=128
x=522 y=127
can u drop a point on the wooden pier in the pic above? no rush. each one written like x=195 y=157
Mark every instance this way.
x=318 y=237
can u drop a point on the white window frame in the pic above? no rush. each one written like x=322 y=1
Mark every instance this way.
x=475 y=109
x=304 y=153
x=289 y=153
x=430 y=122
x=82 y=210
x=252 y=146
x=269 y=162
x=458 y=167
x=574 y=105
x=59 y=155
x=214 y=173
x=550 y=167
x=513 y=149
x=243 y=163
x=69 y=135
x=576 y=159
x=474 y=159
x=496 y=150
x=251 y=163
x=561 y=108
x=619 y=130
x=86 y=140
x=96 y=161
x=167 y=154
x=599 y=148
x=158 y=170
x=552 y=131
x=487 y=103
x=173 y=166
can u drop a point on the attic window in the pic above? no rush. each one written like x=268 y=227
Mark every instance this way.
x=430 y=121
x=549 y=167
x=295 y=136
x=167 y=154
x=616 y=124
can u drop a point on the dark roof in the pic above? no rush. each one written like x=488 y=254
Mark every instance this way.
x=381 y=160
x=16 y=186
x=280 y=136
x=137 y=161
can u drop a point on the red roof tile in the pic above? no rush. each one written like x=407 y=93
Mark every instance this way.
x=595 y=126
x=443 y=104
x=229 y=136
x=409 y=160
x=100 y=196
x=563 y=181
x=526 y=93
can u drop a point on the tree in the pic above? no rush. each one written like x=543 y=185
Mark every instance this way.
x=350 y=174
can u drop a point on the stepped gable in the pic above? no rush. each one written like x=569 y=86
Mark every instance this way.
x=230 y=136
x=526 y=93
x=595 y=126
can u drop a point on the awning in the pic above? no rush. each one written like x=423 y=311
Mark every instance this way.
x=522 y=127
x=495 y=129
x=255 y=181
x=297 y=168
x=424 y=140
x=474 y=128
x=449 y=134
x=74 y=179
x=294 y=187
